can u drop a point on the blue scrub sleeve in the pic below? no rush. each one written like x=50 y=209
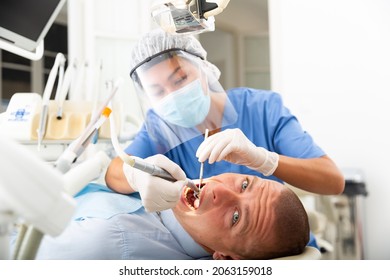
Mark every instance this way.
x=141 y=145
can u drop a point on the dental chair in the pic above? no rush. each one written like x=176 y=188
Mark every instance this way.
x=310 y=253
x=321 y=223
x=37 y=195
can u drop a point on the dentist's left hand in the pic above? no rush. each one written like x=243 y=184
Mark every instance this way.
x=157 y=194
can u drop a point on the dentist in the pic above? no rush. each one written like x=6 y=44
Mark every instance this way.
x=251 y=131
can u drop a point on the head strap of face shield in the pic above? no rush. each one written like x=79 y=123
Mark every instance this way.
x=165 y=54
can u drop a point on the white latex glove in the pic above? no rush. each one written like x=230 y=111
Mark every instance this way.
x=156 y=194
x=233 y=146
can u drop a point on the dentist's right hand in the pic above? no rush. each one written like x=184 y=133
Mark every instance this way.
x=157 y=194
x=232 y=145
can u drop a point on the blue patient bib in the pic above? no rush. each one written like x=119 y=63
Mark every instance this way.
x=98 y=201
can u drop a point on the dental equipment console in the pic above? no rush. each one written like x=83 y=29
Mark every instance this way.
x=42 y=196
x=69 y=184
x=77 y=147
x=185 y=16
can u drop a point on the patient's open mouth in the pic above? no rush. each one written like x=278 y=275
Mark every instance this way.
x=192 y=200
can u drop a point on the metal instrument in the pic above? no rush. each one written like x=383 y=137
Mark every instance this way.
x=206 y=134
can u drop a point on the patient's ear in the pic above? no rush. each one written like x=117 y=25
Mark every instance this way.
x=221 y=256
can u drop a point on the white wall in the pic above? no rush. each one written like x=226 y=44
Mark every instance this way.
x=330 y=59
x=244 y=16
x=226 y=46
x=222 y=56
x=102 y=33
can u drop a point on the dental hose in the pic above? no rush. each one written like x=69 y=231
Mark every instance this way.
x=30 y=244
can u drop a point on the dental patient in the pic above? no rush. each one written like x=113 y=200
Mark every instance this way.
x=237 y=217
x=245 y=217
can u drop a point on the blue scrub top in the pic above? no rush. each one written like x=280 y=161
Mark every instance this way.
x=264 y=120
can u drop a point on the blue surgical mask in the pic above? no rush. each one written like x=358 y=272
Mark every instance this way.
x=186 y=107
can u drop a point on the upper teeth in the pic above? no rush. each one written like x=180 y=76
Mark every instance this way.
x=187 y=199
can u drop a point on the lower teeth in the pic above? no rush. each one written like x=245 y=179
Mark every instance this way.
x=196 y=203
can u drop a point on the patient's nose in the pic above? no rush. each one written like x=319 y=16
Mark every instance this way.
x=224 y=195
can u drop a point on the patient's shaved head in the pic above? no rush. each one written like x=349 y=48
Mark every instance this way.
x=290 y=229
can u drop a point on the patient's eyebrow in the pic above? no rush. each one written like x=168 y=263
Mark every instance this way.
x=244 y=221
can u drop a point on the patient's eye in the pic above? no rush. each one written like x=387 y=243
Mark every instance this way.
x=236 y=217
x=244 y=185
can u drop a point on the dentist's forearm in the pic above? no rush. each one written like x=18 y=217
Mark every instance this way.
x=317 y=175
x=115 y=178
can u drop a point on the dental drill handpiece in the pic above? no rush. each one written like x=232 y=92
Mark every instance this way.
x=155 y=170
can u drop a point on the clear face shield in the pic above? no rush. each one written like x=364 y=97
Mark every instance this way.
x=180 y=98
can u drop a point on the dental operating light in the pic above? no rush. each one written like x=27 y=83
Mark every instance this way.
x=183 y=17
